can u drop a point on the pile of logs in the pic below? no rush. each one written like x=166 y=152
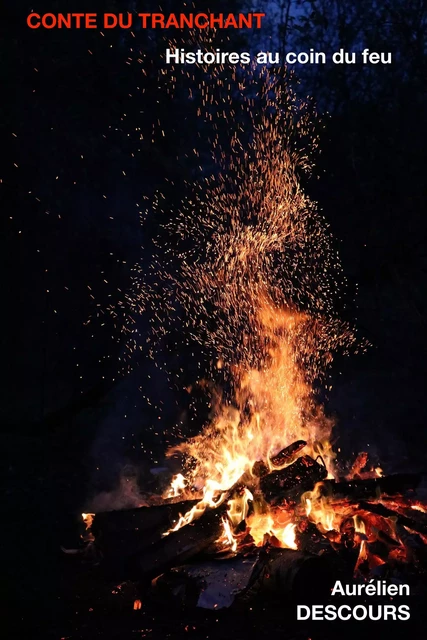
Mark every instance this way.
x=188 y=561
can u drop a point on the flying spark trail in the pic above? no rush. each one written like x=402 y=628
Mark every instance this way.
x=239 y=282
x=247 y=266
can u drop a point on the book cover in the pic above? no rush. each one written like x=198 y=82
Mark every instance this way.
x=214 y=319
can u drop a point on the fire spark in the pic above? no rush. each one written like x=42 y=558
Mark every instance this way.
x=258 y=290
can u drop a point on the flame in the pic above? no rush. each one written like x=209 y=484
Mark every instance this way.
x=178 y=485
x=195 y=512
x=320 y=509
x=238 y=507
x=274 y=405
x=227 y=537
x=252 y=298
x=88 y=520
x=418 y=507
x=287 y=536
x=257 y=291
x=359 y=525
x=261 y=525
x=363 y=555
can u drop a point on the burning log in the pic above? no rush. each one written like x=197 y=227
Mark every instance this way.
x=414 y=546
x=121 y=535
x=384 y=538
x=358 y=465
x=285 y=456
x=412 y=512
x=372 y=487
x=288 y=453
x=310 y=539
x=160 y=517
x=292 y=481
x=178 y=547
x=405 y=521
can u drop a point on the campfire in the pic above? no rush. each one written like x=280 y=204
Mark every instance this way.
x=281 y=521
x=260 y=505
x=245 y=513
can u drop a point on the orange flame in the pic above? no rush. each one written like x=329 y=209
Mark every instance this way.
x=319 y=509
x=264 y=524
x=274 y=406
x=419 y=507
x=88 y=520
x=178 y=485
x=227 y=537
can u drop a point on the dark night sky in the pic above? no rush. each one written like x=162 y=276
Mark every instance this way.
x=72 y=213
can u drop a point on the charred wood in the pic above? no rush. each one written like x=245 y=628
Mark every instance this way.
x=142 y=519
x=383 y=511
x=285 y=456
x=372 y=487
x=122 y=535
x=358 y=465
x=414 y=546
x=413 y=514
x=310 y=539
x=383 y=537
x=292 y=481
x=178 y=547
x=379 y=549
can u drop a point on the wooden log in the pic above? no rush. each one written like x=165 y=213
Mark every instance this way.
x=383 y=537
x=284 y=456
x=379 y=549
x=414 y=514
x=180 y=546
x=370 y=488
x=118 y=547
x=142 y=519
x=357 y=466
x=310 y=539
x=121 y=536
x=292 y=481
x=385 y=512
x=416 y=550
